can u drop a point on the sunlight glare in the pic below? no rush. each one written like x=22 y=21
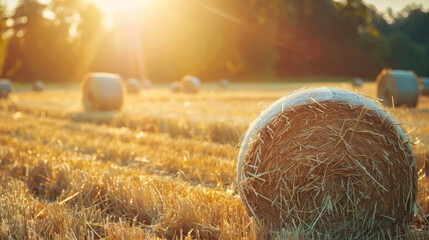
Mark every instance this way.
x=112 y=7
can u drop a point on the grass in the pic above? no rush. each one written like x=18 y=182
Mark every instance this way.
x=165 y=167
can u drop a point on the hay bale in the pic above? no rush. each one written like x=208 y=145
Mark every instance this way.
x=147 y=84
x=6 y=88
x=175 y=86
x=190 y=84
x=328 y=161
x=38 y=86
x=224 y=83
x=357 y=82
x=402 y=85
x=102 y=92
x=133 y=86
x=425 y=86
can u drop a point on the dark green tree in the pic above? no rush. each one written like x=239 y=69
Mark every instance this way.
x=408 y=39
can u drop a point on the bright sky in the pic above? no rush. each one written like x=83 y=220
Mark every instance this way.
x=396 y=5
x=110 y=7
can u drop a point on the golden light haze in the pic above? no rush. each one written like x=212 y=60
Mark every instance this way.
x=110 y=7
x=212 y=39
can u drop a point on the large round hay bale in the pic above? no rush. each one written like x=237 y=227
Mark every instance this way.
x=357 y=82
x=328 y=161
x=38 y=86
x=175 y=86
x=6 y=88
x=402 y=85
x=133 y=86
x=425 y=86
x=190 y=84
x=102 y=92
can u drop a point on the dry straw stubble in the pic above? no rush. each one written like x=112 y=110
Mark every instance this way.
x=329 y=163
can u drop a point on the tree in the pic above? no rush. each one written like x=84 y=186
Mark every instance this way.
x=49 y=49
x=408 y=40
x=27 y=45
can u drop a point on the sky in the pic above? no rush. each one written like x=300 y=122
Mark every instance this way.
x=396 y=5
x=111 y=6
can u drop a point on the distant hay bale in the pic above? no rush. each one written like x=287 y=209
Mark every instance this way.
x=331 y=162
x=402 y=85
x=133 y=86
x=147 y=84
x=175 y=86
x=357 y=82
x=102 y=92
x=38 y=86
x=6 y=88
x=190 y=84
x=425 y=86
x=224 y=83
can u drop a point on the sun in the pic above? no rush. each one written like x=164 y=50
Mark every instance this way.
x=112 y=7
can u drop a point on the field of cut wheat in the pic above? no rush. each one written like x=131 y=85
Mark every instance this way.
x=164 y=167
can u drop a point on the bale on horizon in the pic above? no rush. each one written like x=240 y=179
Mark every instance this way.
x=401 y=85
x=102 y=92
x=6 y=87
x=133 y=86
x=147 y=84
x=190 y=84
x=425 y=85
x=224 y=83
x=357 y=82
x=38 y=86
x=175 y=86
x=328 y=162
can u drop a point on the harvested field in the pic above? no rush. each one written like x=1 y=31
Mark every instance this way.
x=164 y=167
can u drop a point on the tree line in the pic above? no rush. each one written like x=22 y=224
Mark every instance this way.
x=62 y=40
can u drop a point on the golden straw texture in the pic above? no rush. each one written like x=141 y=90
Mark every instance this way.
x=332 y=168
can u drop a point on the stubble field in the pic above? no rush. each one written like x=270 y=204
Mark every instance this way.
x=165 y=167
